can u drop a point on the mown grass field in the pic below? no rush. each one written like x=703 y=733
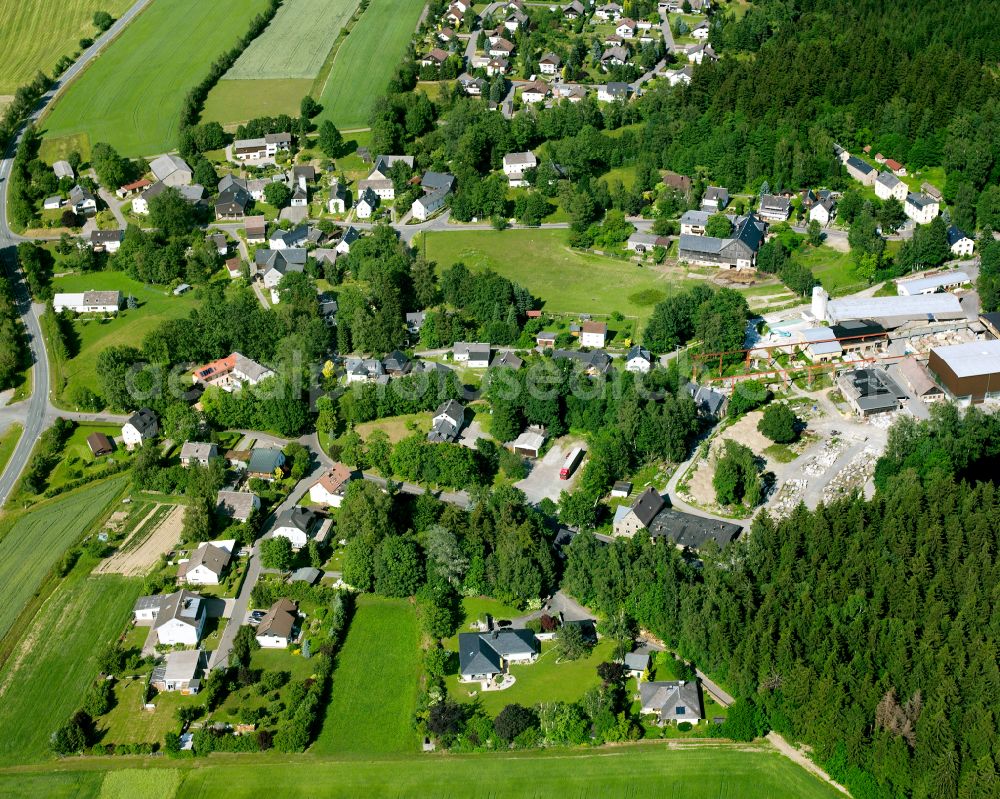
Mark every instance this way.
x=701 y=771
x=36 y=33
x=33 y=543
x=833 y=268
x=131 y=96
x=78 y=461
x=44 y=680
x=232 y=102
x=156 y=304
x=8 y=442
x=297 y=41
x=367 y=60
x=567 y=281
x=374 y=689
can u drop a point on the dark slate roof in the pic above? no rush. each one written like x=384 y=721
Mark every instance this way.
x=143 y=420
x=595 y=359
x=298 y=517
x=481 y=653
x=647 y=505
x=437 y=180
x=956 y=235
x=750 y=231
x=265 y=459
x=860 y=165
x=507 y=359
x=858 y=330
x=694 y=532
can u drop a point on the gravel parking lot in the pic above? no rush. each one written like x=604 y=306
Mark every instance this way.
x=543 y=480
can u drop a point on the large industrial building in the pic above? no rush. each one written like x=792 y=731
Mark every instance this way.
x=969 y=372
x=890 y=312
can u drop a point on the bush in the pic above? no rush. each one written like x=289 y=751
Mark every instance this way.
x=514 y=720
x=685 y=726
x=779 y=423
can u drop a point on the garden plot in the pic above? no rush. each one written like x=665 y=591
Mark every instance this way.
x=155 y=535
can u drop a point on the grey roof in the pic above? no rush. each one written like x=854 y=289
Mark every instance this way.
x=955 y=235
x=482 y=653
x=265 y=460
x=144 y=421
x=775 y=204
x=307 y=574
x=453 y=409
x=859 y=165
x=78 y=194
x=887 y=179
x=508 y=360
x=292 y=259
x=689 y=242
x=920 y=200
x=103 y=298
x=620 y=54
x=292 y=237
x=638 y=352
x=922 y=306
x=396 y=361
x=820 y=341
x=872 y=389
x=351 y=235
x=708 y=401
x=198 y=450
x=166 y=165
x=716 y=194
x=647 y=505
x=62 y=169
x=671 y=699
x=950 y=278
x=476 y=350
x=235 y=504
x=694 y=532
x=148 y=603
x=183 y=664
x=106 y=236
x=437 y=180
x=278 y=138
x=298 y=517
x=971 y=359
x=213 y=558
x=595 y=359
x=637 y=661
x=520 y=158
x=184 y=606
x=700 y=218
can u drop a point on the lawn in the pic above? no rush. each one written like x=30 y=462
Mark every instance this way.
x=131 y=96
x=8 y=441
x=297 y=41
x=396 y=427
x=545 y=680
x=128 y=723
x=156 y=304
x=367 y=60
x=36 y=33
x=693 y=772
x=375 y=685
x=33 y=543
x=45 y=679
x=141 y=784
x=78 y=461
x=567 y=281
x=833 y=268
x=232 y=102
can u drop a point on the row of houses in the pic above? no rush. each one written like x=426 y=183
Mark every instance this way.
x=921 y=207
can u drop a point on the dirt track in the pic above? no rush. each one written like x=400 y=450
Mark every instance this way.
x=139 y=560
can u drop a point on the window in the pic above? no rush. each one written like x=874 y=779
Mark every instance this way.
x=680 y=710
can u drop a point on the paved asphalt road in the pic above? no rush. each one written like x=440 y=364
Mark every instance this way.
x=37 y=413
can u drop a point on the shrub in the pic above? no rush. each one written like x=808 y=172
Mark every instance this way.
x=685 y=726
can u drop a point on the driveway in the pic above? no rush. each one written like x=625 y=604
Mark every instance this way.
x=543 y=479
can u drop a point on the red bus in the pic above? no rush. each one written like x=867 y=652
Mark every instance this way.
x=571 y=462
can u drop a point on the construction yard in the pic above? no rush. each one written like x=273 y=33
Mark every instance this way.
x=153 y=535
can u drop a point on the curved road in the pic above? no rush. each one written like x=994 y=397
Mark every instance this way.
x=37 y=413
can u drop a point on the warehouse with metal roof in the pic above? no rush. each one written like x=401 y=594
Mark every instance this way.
x=969 y=372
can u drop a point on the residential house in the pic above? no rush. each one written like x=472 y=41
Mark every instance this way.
x=715 y=198
x=434 y=58
x=638 y=360
x=710 y=403
x=497 y=66
x=501 y=48
x=106 y=240
x=82 y=201
x=888 y=185
x=626 y=28
x=896 y=167
x=614 y=92
x=446 y=35
x=180 y=619
x=141 y=426
x=236 y=505
x=642 y=243
x=546 y=338
x=206 y=564
x=62 y=170
x=234 y=267
x=931 y=191
x=231 y=373
x=516 y=164
x=107 y=302
x=265 y=463
x=515 y=20
x=595 y=362
x=960 y=243
x=611 y=12
x=614 y=57
x=677 y=182
x=367 y=204
x=297 y=524
x=53 y=203
x=180 y=671
x=639 y=515
x=549 y=64
x=636 y=664
x=535 y=92
x=671 y=701
x=349 y=236
x=698 y=53
x=277 y=629
x=194 y=453
x=860 y=171
x=447 y=422
x=272 y=265
x=574 y=10
x=363 y=370
x=171 y=170
x=700 y=31
x=773 y=208
x=234 y=198
x=397 y=363
x=288 y=239
x=484 y=656
x=429 y=204
x=471 y=85
x=738 y=251
x=681 y=75
x=823 y=211
x=455 y=15
x=219 y=242
x=255 y=229
x=506 y=360
x=414 y=321
x=264 y=148
x=332 y=486
x=99 y=444
x=337 y=204
x=593 y=334
x=476 y=355
x=921 y=208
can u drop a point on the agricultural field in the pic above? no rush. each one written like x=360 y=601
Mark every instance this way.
x=374 y=691
x=297 y=41
x=567 y=281
x=46 y=676
x=131 y=96
x=33 y=543
x=156 y=304
x=232 y=102
x=373 y=49
x=699 y=771
x=35 y=34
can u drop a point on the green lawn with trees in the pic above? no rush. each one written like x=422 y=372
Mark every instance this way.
x=378 y=41
x=566 y=280
x=695 y=772
x=374 y=694
x=34 y=542
x=131 y=96
x=35 y=34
